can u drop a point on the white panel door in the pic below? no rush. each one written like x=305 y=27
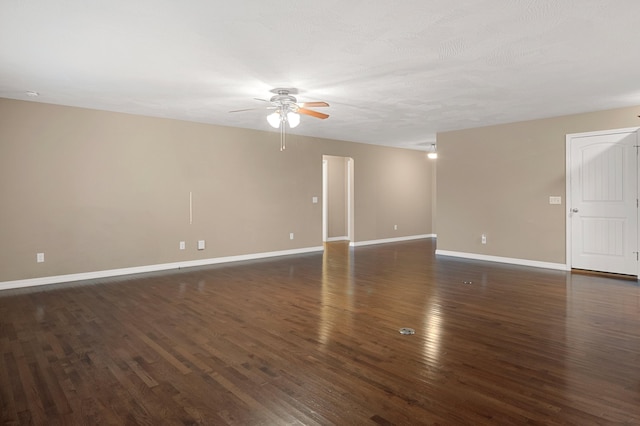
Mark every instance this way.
x=604 y=210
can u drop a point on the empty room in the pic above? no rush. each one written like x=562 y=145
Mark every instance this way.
x=329 y=213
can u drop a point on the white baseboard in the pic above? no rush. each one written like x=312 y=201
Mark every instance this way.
x=149 y=268
x=510 y=260
x=392 y=240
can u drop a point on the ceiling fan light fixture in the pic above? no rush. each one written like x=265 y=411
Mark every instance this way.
x=293 y=119
x=274 y=119
x=432 y=153
x=287 y=110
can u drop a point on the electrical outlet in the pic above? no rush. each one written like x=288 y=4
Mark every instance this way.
x=182 y=245
x=314 y=200
x=40 y=257
x=484 y=238
x=200 y=244
x=291 y=235
x=395 y=227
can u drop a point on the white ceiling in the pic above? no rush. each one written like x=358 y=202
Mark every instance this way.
x=395 y=72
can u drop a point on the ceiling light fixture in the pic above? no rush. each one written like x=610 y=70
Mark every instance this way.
x=432 y=153
x=293 y=119
x=274 y=119
x=283 y=115
x=277 y=119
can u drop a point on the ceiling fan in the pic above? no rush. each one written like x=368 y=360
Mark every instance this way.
x=288 y=110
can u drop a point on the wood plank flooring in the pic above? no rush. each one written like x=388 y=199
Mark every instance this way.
x=313 y=339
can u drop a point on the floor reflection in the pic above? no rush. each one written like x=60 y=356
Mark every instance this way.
x=602 y=322
x=337 y=289
x=432 y=328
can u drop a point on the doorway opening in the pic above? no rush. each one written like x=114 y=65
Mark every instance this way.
x=337 y=199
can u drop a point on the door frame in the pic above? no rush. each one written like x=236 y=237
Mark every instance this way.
x=325 y=204
x=349 y=202
x=568 y=200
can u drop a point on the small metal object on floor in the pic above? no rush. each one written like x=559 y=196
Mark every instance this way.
x=406 y=330
x=468 y=282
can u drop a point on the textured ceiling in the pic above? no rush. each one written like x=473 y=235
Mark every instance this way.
x=395 y=72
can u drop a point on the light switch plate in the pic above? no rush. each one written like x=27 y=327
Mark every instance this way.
x=555 y=200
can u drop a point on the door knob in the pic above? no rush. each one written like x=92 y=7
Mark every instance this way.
x=575 y=210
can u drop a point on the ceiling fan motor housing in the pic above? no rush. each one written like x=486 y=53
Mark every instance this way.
x=284 y=101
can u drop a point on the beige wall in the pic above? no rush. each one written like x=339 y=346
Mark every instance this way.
x=97 y=190
x=497 y=180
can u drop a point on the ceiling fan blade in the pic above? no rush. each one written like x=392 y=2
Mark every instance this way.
x=254 y=109
x=262 y=100
x=313 y=104
x=312 y=113
x=247 y=109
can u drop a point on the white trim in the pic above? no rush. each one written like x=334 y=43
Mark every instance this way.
x=149 y=268
x=350 y=200
x=392 y=240
x=343 y=238
x=325 y=199
x=510 y=260
x=567 y=200
x=604 y=132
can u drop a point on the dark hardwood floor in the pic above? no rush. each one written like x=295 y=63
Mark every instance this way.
x=314 y=339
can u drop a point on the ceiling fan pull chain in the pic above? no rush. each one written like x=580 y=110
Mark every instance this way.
x=282 y=142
